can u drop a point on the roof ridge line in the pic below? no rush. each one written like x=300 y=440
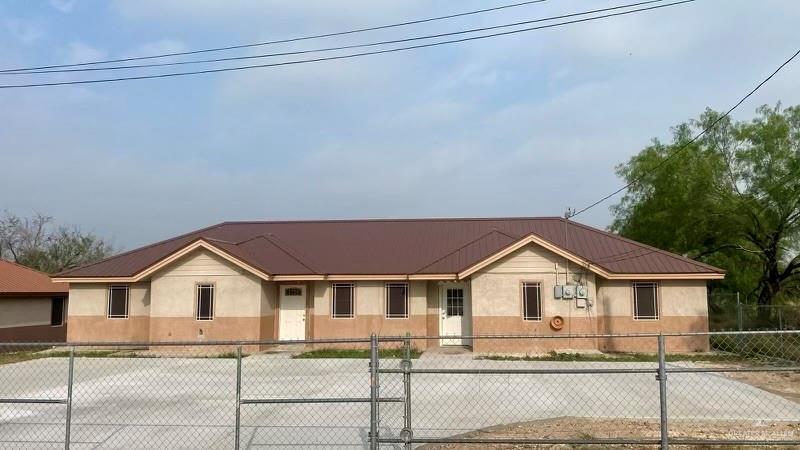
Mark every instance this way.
x=493 y=230
x=412 y=219
x=291 y=255
x=218 y=240
x=648 y=247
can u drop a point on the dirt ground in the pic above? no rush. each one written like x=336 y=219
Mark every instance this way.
x=581 y=428
x=785 y=384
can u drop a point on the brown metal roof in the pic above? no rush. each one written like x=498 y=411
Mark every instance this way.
x=20 y=280
x=397 y=247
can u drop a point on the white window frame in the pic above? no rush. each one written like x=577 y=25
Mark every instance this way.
x=386 y=288
x=523 y=287
x=113 y=287
x=352 y=287
x=212 y=307
x=657 y=306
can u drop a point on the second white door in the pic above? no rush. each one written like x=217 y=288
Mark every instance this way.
x=292 y=326
x=455 y=311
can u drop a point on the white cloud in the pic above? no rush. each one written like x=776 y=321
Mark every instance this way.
x=64 y=6
x=25 y=31
x=162 y=46
x=79 y=52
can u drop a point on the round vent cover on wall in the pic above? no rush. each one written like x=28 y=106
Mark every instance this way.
x=557 y=323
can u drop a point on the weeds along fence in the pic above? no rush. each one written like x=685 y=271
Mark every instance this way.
x=738 y=388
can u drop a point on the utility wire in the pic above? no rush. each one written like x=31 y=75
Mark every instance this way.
x=695 y=138
x=329 y=49
x=622 y=257
x=281 y=41
x=348 y=56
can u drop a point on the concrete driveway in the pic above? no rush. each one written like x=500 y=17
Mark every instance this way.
x=190 y=402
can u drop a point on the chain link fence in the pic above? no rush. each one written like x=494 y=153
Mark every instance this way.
x=490 y=392
x=728 y=312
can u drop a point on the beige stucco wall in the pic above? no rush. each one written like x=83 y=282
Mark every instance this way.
x=677 y=298
x=370 y=301
x=87 y=314
x=497 y=307
x=370 y=298
x=91 y=299
x=23 y=312
x=269 y=298
x=163 y=307
x=237 y=293
x=497 y=289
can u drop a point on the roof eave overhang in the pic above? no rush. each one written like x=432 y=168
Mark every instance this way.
x=666 y=276
x=198 y=244
x=366 y=277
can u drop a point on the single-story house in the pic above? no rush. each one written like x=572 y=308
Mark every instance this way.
x=294 y=280
x=32 y=307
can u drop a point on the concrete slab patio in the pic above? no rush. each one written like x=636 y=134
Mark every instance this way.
x=190 y=402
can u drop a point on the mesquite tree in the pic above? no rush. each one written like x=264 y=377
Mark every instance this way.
x=731 y=198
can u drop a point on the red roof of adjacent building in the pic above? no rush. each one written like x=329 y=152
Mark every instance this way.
x=397 y=247
x=16 y=279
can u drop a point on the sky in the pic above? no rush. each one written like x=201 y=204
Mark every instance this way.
x=521 y=125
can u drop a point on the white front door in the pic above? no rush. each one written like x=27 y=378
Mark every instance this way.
x=455 y=312
x=292 y=325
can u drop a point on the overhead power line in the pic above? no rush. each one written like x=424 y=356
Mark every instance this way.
x=280 y=41
x=329 y=49
x=694 y=139
x=616 y=257
x=340 y=57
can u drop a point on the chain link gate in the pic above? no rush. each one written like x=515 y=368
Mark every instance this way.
x=776 y=360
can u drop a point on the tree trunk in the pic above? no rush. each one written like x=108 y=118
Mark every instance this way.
x=769 y=290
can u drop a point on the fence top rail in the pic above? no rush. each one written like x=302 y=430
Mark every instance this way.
x=590 y=335
x=388 y=338
x=185 y=343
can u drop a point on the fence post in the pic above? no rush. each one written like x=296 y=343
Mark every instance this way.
x=373 y=392
x=406 y=434
x=70 y=377
x=238 y=396
x=662 y=391
x=739 y=318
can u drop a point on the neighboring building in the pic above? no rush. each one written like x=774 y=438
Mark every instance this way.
x=349 y=278
x=32 y=307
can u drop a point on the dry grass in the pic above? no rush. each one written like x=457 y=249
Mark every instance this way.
x=587 y=429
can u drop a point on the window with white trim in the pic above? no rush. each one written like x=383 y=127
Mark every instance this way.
x=205 y=302
x=531 y=301
x=645 y=300
x=342 y=306
x=396 y=300
x=118 y=301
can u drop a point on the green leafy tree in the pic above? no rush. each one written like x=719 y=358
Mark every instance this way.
x=37 y=243
x=731 y=198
